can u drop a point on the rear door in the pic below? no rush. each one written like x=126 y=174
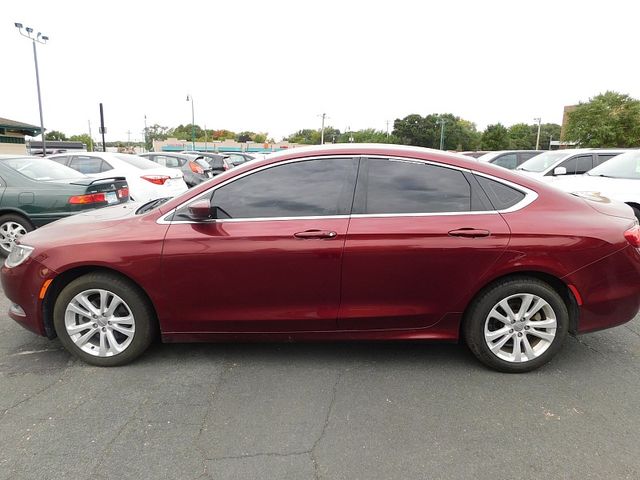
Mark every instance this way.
x=420 y=237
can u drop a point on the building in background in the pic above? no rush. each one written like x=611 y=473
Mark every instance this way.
x=175 y=145
x=12 y=135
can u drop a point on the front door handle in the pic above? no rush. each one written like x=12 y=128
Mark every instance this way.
x=469 y=233
x=315 y=234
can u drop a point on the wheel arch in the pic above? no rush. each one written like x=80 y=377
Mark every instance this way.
x=64 y=278
x=17 y=211
x=561 y=288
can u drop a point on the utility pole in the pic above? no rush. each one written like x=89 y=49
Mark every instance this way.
x=146 y=133
x=324 y=115
x=539 y=120
x=91 y=137
x=205 y=139
x=193 y=124
x=441 y=121
x=103 y=130
x=388 y=127
x=128 y=138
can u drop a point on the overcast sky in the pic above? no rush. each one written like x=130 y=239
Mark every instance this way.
x=274 y=66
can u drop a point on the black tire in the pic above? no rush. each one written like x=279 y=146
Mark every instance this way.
x=480 y=308
x=8 y=219
x=137 y=303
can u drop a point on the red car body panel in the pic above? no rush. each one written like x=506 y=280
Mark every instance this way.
x=379 y=278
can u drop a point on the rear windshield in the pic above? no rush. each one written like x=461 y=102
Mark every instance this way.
x=626 y=165
x=139 y=162
x=42 y=169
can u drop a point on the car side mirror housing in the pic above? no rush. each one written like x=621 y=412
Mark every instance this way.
x=200 y=210
x=560 y=171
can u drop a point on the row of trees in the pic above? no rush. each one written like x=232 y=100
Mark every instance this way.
x=610 y=119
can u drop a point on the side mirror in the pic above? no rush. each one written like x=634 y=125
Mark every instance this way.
x=559 y=171
x=200 y=210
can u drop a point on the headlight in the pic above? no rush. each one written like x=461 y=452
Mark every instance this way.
x=19 y=253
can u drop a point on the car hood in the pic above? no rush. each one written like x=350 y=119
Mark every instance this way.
x=75 y=227
x=621 y=189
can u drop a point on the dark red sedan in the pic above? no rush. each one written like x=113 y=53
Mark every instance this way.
x=343 y=242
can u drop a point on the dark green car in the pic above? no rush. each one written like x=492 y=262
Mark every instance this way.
x=35 y=191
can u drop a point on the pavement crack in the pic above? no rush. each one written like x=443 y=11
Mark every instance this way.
x=332 y=402
x=213 y=395
x=259 y=454
x=632 y=330
x=586 y=344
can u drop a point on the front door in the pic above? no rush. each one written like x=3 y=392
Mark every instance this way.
x=270 y=261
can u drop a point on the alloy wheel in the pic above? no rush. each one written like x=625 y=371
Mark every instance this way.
x=9 y=232
x=99 y=322
x=520 y=327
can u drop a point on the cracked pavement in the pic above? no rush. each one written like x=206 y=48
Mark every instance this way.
x=318 y=411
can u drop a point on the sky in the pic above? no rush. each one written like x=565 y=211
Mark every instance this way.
x=275 y=66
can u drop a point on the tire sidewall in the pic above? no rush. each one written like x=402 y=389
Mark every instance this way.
x=475 y=322
x=144 y=321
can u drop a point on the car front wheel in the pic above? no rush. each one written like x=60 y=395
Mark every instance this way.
x=12 y=227
x=516 y=325
x=104 y=319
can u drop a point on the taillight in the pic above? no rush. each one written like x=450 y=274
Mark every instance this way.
x=633 y=236
x=89 y=198
x=123 y=192
x=156 y=179
x=196 y=168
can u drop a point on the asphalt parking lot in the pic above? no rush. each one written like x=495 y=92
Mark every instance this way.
x=312 y=411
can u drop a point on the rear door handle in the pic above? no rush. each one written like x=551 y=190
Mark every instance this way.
x=469 y=233
x=315 y=234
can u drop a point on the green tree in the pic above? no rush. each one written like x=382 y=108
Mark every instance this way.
x=155 y=132
x=84 y=138
x=495 y=137
x=520 y=137
x=245 y=136
x=415 y=129
x=55 y=135
x=548 y=132
x=186 y=132
x=610 y=119
x=459 y=134
x=308 y=136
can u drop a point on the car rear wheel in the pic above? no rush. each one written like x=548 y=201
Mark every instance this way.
x=516 y=325
x=12 y=227
x=104 y=319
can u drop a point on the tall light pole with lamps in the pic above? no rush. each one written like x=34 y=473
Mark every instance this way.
x=39 y=38
x=539 y=120
x=193 y=124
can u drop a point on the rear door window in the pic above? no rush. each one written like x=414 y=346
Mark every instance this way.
x=603 y=157
x=509 y=161
x=390 y=186
x=85 y=164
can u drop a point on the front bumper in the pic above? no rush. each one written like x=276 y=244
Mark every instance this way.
x=22 y=286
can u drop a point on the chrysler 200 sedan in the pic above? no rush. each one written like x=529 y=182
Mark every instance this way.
x=343 y=242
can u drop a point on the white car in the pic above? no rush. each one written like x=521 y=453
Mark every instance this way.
x=618 y=179
x=549 y=166
x=147 y=180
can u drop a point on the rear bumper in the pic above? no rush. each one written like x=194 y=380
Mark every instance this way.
x=22 y=286
x=610 y=290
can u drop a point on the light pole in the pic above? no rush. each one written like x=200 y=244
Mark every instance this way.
x=324 y=115
x=193 y=124
x=39 y=38
x=441 y=121
x=539 y=120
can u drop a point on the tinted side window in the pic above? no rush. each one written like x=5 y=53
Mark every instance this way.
x=601 y=158
x=106 y=167
x=61 y=160
x=501 y=196
x=170 y=162
x=509 y=161
x=577 y=165
x=217 y=164
x=86 y=165
x=396 y=186
x=306 y=188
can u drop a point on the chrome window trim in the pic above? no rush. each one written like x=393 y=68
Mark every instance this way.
x=530 y=195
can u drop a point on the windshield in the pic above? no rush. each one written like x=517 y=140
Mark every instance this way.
x=487 y=157
x=541 y=162
x=626 y=165
x=42 y=169
x=138 y=162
